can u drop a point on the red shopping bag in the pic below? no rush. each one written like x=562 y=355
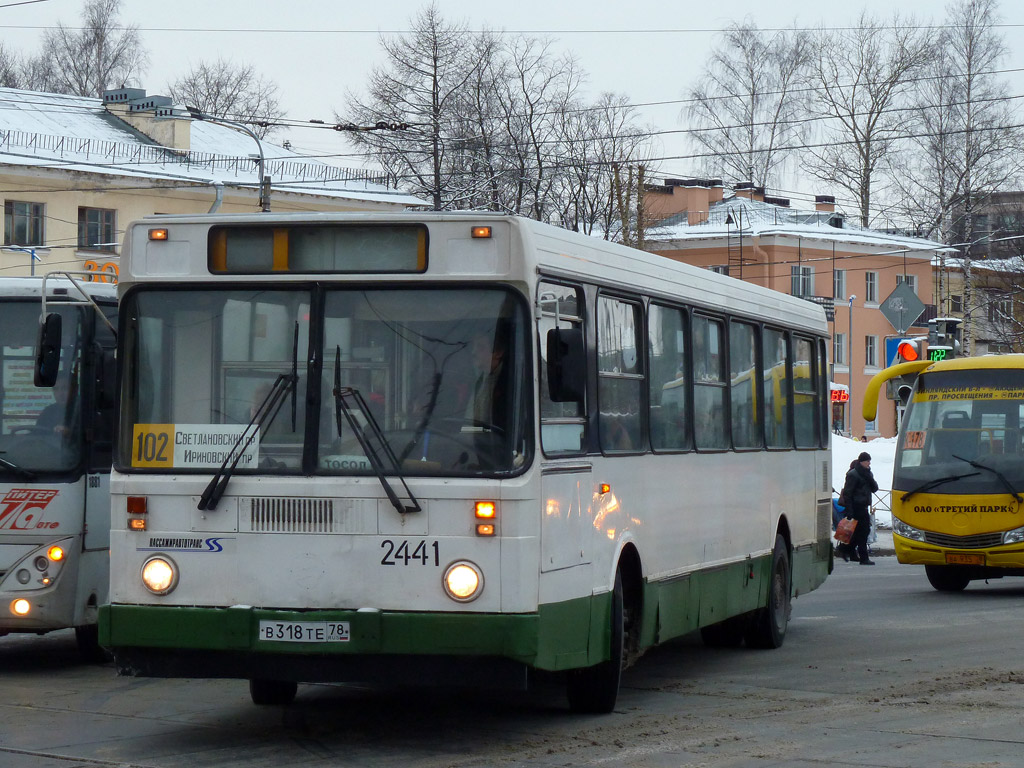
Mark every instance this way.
x=845 y=529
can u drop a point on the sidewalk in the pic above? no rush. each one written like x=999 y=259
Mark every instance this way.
x=883 y=543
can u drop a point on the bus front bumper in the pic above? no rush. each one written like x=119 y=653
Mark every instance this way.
x=915 y=552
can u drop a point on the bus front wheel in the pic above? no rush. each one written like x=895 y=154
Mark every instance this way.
x=946 y=578
x=595 y=689
x=272 y=692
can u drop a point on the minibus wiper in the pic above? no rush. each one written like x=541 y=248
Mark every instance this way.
x=19 y=471
x=1002 y=478
x=936 y=482
x=376 y=447
x=268 y=408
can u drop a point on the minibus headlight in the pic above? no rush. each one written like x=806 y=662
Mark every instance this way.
x=1016 y=536
x=463 y=581
x=159 y=574
x=21 y=607
x=906 y=531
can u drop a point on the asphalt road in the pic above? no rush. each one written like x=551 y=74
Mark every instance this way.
x=877 y=670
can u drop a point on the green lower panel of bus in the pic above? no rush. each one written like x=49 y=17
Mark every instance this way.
x=558 y=636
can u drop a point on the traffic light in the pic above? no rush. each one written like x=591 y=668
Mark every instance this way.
x=943 y=338
x=908 y=351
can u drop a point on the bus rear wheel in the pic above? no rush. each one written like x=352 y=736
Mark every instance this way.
x=272 y=692
x=767 y=628
x=946 y=578
x=595 y=689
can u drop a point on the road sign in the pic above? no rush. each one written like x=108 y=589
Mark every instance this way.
x=902 y=307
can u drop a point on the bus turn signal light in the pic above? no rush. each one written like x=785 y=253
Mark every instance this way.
x=55 y=553
x=481 y=232
x=158 y=234
x=486 y=510
x=485 y=529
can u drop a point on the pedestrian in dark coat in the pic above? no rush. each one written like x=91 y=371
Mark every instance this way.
x=857 y=490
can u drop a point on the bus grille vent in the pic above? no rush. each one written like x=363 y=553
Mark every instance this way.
x=824 y=519
x=292 y=515
x=978 y=541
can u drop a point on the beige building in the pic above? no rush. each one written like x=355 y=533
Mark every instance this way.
x=74 y=171
x=816 y=254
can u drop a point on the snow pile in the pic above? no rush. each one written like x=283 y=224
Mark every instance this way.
x=883 y=451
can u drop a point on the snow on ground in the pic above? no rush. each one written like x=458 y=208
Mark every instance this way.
x=882 y=450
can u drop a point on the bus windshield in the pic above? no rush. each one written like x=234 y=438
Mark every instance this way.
x=40 y=428
x=443 y=373
x=959 y=418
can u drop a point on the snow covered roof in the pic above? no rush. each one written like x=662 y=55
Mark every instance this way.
x=55 y=131
x=762 y=219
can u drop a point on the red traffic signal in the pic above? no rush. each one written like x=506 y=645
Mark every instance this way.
x=907 y=351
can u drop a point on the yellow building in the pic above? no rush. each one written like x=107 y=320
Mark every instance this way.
x=74 y=171
x=816 y=254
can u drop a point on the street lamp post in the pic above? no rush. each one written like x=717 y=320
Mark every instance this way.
x=263 y=183
x=33 y=256
x=849 y=355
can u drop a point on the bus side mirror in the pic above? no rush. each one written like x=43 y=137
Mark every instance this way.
x=567 y=365
x=48 y=351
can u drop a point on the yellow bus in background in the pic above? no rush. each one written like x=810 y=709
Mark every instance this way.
x=958 y=475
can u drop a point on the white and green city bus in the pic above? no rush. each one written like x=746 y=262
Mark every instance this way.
x=55 y=455
x=451 y=447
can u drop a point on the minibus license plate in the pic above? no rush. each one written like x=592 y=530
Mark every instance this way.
x=304 y=631
x=955 y=558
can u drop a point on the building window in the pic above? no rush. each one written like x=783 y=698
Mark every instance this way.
x=910 y=280
x=839 y=284
x=839 y=349
x=956 y=303
x=96 y=229
x=870 y=351
x=720 y=269
x=23 y=223
x=870 y=287
x=1000 y=308
x=801 y=281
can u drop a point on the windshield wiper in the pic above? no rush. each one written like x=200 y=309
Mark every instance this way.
x=936 y=482
x=19 y=471
x=268 y=408
x=1002 y=478
x=376 y=447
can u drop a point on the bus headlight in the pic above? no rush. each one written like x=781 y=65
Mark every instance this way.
x=159 y=574
x=906 y=531
x=1016 y=536
x=463 y=581
x=21 y=607
x=38 y=569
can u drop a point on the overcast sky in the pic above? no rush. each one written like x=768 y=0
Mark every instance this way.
x=649 y=50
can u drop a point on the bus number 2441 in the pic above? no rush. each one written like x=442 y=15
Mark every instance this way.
x=405 y=553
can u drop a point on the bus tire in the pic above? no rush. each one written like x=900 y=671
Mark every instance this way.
x=768 y=625
x=594 y=689
x=272 y=692
x=946 y=578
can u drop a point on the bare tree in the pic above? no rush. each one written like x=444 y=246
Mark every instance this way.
x=232 y=91
x=421 y=85
x=860 y=76
x=747 y=104
x=103 y=54
x=10 y=68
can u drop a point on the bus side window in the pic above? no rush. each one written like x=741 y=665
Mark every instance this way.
x=562 y=424
x=669 y=407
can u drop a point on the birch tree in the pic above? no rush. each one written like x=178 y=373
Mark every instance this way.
x=748 y=104
x=860 y=77
x=101 y=55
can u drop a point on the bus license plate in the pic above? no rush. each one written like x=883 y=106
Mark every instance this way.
x=304 y=631
x=955 y=558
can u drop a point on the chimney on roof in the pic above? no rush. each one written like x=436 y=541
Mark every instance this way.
x=748 y=190
x=152 y=116
x=678 y=196
x=825 y=203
